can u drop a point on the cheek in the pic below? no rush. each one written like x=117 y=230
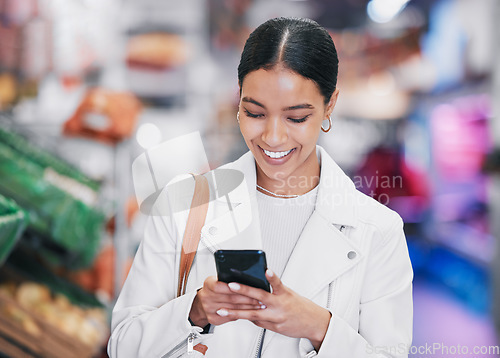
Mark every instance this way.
x=249 y=130
x=248 y=135
x=307 y=134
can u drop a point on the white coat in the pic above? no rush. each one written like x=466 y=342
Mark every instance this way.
x=351 y=258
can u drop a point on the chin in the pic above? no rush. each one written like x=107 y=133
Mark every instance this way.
x=277 y=174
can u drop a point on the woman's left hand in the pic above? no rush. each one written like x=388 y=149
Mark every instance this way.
x=286 y=312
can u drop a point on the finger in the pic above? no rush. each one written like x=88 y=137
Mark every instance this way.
x=275 y=282
x=220 y=287
x=242 y=307
x=251 y=315
x=222 y=314
x=230 y=297
x=252 y=292
x=212 y=284
x=215 y=299
x=236 y=298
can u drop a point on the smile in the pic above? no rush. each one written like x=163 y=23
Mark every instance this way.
x=277 y=155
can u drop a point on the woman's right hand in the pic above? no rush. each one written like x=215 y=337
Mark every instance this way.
x=212 y=297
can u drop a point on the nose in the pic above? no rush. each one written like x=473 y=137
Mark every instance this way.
x=275 y=132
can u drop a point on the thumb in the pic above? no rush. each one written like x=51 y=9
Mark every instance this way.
x=274 y=281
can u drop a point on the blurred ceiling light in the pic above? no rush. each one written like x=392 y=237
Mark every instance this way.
x=148 y=135
x=382 y=83
x=383 y=11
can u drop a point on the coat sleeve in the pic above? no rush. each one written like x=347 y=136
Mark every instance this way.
x=147 y=320
x=386 y=307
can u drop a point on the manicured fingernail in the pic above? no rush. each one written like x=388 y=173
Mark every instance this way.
x=270 y=273
x=234 y=286
x=222 y=313
x=263 y=307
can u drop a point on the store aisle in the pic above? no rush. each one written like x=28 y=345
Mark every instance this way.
x=440 y=319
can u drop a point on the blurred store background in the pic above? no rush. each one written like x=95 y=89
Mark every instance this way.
x=88 y=86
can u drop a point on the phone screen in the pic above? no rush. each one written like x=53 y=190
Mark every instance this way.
x=247 y=267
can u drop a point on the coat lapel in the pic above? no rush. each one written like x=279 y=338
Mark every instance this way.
x=322 y=254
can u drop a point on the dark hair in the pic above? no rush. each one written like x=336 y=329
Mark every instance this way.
x=300 y=45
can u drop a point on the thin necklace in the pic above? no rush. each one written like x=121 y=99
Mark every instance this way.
x=278 y=195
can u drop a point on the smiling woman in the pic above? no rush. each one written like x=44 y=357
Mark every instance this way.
x=287 y=77
x=341 y=276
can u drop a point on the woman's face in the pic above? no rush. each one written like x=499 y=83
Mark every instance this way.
x=281 y=114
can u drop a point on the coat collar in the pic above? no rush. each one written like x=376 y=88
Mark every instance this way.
x=336 y=192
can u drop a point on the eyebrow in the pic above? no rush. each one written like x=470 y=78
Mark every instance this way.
x=298 y=106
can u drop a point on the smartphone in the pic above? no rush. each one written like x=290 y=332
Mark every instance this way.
x=247 y=267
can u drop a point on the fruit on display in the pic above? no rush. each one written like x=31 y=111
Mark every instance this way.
x=34 y=307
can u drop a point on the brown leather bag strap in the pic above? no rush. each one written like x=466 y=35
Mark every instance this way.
x=192 y=234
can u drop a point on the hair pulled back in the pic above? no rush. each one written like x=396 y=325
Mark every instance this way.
x=300 y=45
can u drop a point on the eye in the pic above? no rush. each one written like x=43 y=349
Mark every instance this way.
x=252 y=115
x=299 y=120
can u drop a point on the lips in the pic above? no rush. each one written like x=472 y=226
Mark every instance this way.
x=277 y=155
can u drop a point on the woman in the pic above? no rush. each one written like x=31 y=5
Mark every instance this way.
x=341 y=279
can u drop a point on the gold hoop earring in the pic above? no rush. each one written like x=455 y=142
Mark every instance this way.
x=329 y=127
x=238 y=117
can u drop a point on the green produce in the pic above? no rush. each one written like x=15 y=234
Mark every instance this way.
x=59 y=199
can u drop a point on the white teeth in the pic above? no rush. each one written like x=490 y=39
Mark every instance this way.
x=276 y=155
